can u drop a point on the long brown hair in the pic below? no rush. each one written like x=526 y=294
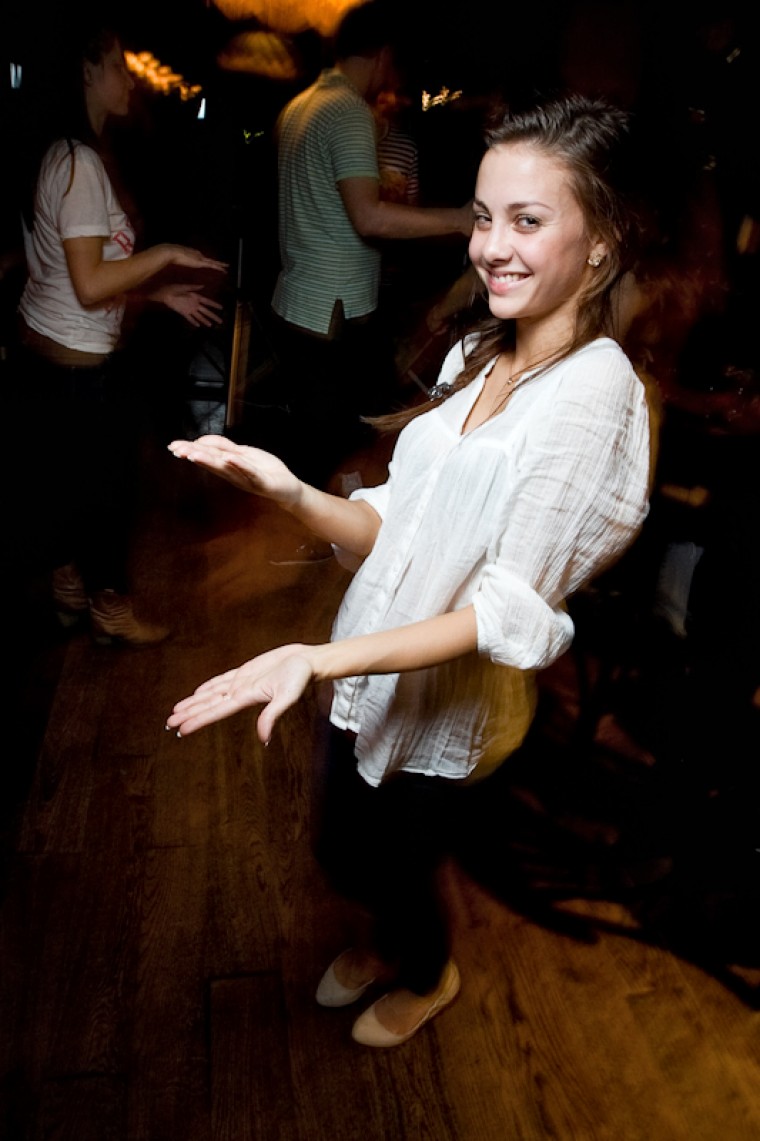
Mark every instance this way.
x=592 y=137
x=54 y=105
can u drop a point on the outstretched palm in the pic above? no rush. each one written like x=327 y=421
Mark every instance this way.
x=275 y=679
x=250 y=469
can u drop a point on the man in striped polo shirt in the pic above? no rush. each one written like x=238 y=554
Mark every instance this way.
x=336 y=366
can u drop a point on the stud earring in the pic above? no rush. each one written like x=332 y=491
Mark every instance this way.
x=594 y=261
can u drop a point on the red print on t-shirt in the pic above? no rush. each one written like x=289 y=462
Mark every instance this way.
x=124 y=240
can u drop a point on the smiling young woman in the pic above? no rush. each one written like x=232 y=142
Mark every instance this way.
x=530 y=244
x=525 y=475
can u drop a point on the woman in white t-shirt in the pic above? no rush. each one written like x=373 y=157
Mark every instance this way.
x=82 y=266
x=526 y=475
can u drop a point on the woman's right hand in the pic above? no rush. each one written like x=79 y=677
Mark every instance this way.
x=190 y=258
x=250 y=469
x=190 y=302
x=275 y=679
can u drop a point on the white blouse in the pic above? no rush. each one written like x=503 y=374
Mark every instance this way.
x=511 y=517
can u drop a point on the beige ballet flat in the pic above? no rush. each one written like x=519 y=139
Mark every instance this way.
x=369 y=1031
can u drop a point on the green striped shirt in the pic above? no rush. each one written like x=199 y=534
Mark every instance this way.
x=325 y=134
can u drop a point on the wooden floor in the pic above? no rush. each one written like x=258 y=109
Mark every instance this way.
x=164 y=922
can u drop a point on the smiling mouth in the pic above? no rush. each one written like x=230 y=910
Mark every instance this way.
x=507 y=278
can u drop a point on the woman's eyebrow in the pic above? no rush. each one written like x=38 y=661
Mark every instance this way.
x=514 y=205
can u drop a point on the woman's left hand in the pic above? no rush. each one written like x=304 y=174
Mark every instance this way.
x=191 y=303
x=275 y=679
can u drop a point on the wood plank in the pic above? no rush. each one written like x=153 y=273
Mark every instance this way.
x=539 y=1024
x=164 y=921
x=88 y=1108
x=251 y=1094
x=710 y=1055
x=37 y=918
x=168 y=1050
x=56 y=813
x=79 y=912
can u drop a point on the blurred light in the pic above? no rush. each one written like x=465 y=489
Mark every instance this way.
x=158 y=76
x=15 y=76
x=444 y=96
x=259 y=53
x=289 y=16
x=202 y=109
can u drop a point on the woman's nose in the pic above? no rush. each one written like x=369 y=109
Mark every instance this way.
x=497 y=244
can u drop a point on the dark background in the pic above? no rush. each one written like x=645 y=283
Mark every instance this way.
x=644 y=54
x=212 y=182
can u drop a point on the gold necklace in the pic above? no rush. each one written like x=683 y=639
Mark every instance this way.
x=514 y=379
x=505 y=391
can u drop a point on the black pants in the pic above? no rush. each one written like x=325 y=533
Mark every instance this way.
x=383 y=848
x=76 y=465
x=326 y=386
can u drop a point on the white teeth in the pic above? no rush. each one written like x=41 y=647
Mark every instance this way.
x=507 y=278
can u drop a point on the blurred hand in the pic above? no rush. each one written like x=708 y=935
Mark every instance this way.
x=191 y=303
x=467 y=218
x=435 y=320
x=191 y=258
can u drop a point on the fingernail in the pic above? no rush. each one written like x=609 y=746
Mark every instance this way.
x=179 y=735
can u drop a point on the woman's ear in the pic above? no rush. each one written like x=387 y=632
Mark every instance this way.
x=597 y=253
x=88 y=73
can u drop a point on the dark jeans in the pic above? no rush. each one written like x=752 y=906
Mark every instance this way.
x=325 y=387
x=383 y=848
x=77 y=483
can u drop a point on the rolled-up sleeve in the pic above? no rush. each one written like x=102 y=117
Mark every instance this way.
x=511 y=517
x=377 y=498
x=579 y=500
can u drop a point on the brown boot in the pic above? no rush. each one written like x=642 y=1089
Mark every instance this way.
x=69 y=595
x=113 y=620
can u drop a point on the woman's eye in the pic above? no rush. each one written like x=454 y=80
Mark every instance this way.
x=527 y=222
x=481 y=220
